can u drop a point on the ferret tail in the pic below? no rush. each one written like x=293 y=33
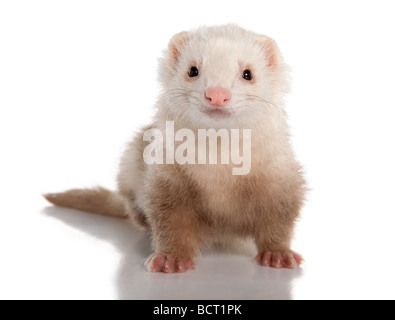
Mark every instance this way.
x=97 y=200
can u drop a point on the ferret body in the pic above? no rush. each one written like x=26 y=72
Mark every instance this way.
x=213 y=78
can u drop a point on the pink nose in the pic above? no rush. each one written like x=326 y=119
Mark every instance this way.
x=218 y=97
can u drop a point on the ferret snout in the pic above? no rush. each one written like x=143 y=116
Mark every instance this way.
x=218 y=97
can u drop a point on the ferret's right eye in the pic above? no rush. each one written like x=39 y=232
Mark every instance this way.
x=193 y=72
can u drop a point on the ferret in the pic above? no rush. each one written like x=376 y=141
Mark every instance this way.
x=221 y=77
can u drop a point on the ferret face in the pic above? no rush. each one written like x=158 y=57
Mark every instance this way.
x=221 y=77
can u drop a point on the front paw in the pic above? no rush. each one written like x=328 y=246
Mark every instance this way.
x=158 y=262
x=279 y=259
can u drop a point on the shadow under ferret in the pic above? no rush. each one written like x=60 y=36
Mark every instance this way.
x=221 y=274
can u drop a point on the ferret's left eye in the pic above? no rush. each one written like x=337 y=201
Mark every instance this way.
x=247 y=75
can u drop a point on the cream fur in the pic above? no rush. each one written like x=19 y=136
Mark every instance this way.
x=185 y=208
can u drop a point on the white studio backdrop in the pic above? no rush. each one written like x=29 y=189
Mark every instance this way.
x=78 y=78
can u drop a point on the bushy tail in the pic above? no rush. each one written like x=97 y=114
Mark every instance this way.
x=98 y=200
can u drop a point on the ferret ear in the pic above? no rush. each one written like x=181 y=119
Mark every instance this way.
x=271 y=51
x=176 y=45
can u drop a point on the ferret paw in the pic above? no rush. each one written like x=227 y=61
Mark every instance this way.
x=158 y=262
x=279 y=259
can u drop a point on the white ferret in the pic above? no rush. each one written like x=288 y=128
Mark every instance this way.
x=215 y=78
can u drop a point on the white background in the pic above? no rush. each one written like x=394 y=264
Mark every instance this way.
x=78 y=78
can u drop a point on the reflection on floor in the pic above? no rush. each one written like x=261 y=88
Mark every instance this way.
x=219 y=275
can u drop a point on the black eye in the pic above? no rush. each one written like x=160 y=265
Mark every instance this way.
x=193 y=72
x=247 y=75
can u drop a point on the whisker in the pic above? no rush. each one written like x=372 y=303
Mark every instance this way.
x=182 y=117
x=180 y=100
x=258 y=98
x=177 y=97
x=177 y=117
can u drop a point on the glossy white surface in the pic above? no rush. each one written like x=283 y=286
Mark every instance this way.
x=77 y=79
x=54 y=253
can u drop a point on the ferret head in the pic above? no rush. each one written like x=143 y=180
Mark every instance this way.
x=221 y=77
